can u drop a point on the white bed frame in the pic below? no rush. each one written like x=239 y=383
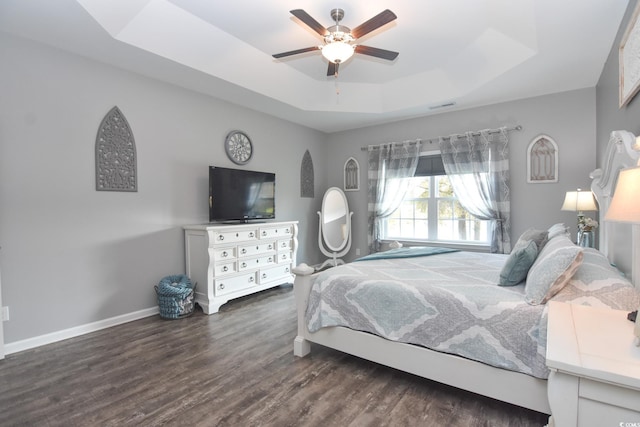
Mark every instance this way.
x=616 y=242
x=508 y=386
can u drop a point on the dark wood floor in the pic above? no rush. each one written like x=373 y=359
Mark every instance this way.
x=235 y=368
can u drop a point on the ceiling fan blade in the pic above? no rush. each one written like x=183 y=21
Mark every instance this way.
x=295 y=52
x=374 y=23
x=378 y=53
x=311 y=23
x=333 y=69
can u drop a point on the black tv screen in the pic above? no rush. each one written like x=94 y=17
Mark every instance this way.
x=241 y=195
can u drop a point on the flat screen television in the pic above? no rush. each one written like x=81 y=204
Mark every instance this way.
x=241 y=195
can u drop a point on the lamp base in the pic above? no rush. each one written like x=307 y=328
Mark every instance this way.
x=586 y=239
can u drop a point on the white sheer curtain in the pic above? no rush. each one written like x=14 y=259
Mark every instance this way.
x=390 y=167
x=478 y=169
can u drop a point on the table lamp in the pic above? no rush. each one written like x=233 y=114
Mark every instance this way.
x=579 y=201
x=625 y=207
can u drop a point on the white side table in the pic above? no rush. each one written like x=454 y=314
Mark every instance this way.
x=595 y=367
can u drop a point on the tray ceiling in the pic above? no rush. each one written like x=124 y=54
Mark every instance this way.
x=465 y=52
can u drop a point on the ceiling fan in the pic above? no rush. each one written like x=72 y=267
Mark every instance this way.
x=338 y=40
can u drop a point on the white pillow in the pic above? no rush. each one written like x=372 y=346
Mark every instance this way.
x=558 y=230
x=552 y=270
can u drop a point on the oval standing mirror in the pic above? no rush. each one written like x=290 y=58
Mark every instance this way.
x=334 y=234
x=334 y=219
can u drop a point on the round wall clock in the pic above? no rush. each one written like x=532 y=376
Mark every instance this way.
x=238 y=147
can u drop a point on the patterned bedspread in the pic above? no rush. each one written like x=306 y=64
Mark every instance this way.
x=451 y=303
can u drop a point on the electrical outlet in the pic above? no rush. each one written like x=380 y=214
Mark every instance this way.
x=5 y=314
x=357 y=251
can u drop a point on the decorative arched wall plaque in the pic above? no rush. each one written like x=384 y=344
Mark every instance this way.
x=351 y=175
x=306 y=176
x=116 y=164
x=542 y=160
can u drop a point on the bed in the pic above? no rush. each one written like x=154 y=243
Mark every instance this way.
x=450 y=321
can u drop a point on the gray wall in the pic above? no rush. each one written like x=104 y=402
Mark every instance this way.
x=71 y=255
x=610 y=118
x=568 y=118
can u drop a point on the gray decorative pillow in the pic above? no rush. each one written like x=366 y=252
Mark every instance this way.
x=541 y=237
x=522 y=256
x=519 y=262
x=552 y=270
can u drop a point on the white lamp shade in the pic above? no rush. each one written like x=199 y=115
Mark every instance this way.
x=337 y=52
x=579 y=201
x=625 y=205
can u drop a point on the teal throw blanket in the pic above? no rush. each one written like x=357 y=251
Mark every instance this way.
x=407 y=253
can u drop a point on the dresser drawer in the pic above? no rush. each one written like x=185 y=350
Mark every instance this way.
x=284 y=257
x=284 y=245
x=256 y=249
x=271 y=274
x=247 y=264
x=221 y=254
x=610 y=394
x=225 y=268
x=234 y=236
x=284 y=231
x=234 y=284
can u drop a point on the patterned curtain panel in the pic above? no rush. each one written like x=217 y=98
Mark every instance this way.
x=478 y=169
x=390 y=167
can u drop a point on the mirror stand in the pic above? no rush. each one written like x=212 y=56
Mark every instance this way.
x=334 y=259
x=334 y=233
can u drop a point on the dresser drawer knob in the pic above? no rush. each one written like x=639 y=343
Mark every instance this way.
x=251 y=279
x=244 y=251
x=225 y=268
x=251 y=234
x=244 y=264
x=225 y=254
x=221 y=286
x=221 y=237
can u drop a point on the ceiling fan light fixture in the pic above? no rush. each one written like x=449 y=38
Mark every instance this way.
x=339 y=40
x=337 y=52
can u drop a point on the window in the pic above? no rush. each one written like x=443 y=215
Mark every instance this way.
x=431 y=212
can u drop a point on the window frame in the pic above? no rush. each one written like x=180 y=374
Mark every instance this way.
x=432 y=203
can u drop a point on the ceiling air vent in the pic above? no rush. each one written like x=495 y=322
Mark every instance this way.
x=443 y=105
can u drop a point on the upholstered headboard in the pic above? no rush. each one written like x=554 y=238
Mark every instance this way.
x=618 y=241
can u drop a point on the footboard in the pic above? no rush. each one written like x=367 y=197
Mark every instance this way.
x=507 y=386
x=301 y=290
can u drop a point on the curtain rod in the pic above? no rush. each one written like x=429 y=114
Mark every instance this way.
x=435 y=139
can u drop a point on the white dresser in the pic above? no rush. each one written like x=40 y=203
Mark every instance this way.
x=231 y=261
x=595 y=367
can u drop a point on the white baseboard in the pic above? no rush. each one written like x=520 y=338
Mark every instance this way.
x=29 y=343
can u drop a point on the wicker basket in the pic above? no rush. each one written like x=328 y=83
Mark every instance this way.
x=175 y=297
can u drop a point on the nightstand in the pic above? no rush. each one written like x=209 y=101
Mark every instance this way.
x=595 y=367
